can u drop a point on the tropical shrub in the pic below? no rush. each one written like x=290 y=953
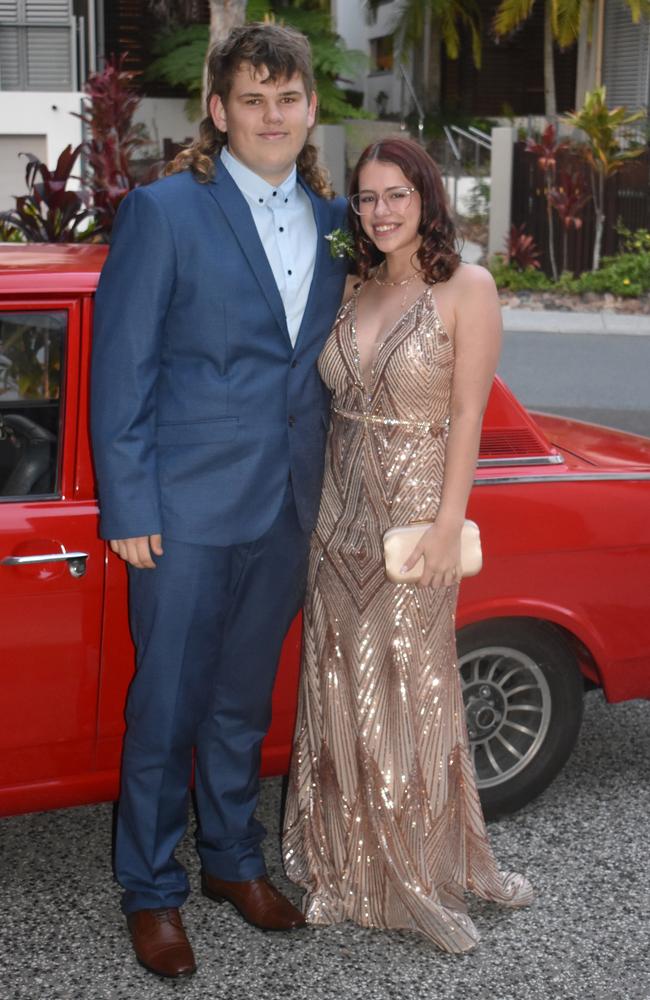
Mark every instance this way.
x=632 y=240
x=112 y=166
x=603 y=151
x=626 y=275
x=509 y=276
x=180 y=55
x=49 y=212
x=521 y=249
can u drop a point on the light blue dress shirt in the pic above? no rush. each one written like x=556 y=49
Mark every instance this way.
x=284 y=220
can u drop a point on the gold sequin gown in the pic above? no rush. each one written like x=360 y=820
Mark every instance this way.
x=383 y=824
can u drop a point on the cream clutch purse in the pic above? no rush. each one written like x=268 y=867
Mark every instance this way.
x=400 y=541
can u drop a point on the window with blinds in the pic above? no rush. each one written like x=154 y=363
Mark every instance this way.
x=626 y=67
x=36 y=45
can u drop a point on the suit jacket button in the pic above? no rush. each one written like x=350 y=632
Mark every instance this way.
x=293 y=364
x=292 y=420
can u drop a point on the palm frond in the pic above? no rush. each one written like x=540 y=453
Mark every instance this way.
x=638 y=9
x=566 y=20
x=510 y=14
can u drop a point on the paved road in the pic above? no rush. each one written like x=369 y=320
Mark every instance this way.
x=604 y=378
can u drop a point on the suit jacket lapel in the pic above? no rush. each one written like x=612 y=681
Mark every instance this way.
x=233 y=205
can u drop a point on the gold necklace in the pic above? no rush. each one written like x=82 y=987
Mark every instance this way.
x=404 y=283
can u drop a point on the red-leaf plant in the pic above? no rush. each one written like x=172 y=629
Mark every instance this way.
x=568 y=198
x=110 y=104
x=546 y=151
x=521 y=249
x=49 y=213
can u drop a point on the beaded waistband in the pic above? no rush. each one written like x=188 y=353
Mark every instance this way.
x=372 y=418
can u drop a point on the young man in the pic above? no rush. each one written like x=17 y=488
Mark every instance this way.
x=209 y=423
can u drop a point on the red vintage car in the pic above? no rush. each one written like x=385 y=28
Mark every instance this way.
x=561 y=604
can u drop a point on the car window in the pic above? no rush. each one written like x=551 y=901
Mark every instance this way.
x=32 y=349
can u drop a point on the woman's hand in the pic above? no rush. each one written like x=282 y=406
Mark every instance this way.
x=440 y=546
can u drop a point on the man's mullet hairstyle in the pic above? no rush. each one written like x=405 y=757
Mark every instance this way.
x=283 y=52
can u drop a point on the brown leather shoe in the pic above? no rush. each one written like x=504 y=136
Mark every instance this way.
x=258 y=901
x=160 y=942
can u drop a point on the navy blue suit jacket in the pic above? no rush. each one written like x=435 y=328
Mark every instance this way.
x=201 y=408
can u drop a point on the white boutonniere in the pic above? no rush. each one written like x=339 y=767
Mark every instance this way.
x=341 y=243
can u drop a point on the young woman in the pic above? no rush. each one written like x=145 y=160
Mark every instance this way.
x=383 y=823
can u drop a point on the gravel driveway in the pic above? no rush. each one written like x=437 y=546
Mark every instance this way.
x=584 y=844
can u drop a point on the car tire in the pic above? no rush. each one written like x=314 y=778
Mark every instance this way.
x=523 y=694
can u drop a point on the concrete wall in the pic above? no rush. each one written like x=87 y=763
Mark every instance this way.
x=165 y=118
x=12 y=175
x=38 y=123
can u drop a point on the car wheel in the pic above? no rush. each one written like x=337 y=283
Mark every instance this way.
x=523 y=694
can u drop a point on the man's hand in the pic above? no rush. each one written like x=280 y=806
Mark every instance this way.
x=137 y=551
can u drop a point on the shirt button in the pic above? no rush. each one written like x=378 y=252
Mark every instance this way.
x=275 y=194
x=281 y=229
x=289 y=272
x=291 y=420
x=261 y=201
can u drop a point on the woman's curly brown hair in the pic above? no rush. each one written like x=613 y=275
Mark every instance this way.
x=282 y=52
x=437 y=255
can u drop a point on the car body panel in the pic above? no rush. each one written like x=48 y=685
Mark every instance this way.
x=562 y=508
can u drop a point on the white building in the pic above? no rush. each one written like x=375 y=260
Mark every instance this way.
x=383 y=84
x=47 y=49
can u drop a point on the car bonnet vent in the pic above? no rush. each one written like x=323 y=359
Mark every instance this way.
x=510 y=442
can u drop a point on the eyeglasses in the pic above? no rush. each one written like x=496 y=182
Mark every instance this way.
x=396 y=199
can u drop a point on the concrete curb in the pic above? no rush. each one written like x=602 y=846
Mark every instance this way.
x=549 y=321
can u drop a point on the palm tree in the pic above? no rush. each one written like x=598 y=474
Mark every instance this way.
x=426 y=22
x=562 y=20
x=224 y=16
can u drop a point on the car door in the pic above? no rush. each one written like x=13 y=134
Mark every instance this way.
x=51 y=559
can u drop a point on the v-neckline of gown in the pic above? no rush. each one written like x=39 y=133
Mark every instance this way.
x=367 y=379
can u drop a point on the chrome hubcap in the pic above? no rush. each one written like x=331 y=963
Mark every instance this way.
x=508 y=709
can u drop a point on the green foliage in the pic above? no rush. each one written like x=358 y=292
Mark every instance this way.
x=626 y=275
x=634 y=240
x=180 y=55
x=565 y=15
x=602 y=126
x=451 y=17
x=9 y=233
x=509 y=276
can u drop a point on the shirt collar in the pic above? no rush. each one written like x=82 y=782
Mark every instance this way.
x=254 y=186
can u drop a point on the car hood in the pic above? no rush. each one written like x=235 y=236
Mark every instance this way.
x=602 y=447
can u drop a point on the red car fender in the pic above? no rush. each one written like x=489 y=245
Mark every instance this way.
x=593 y=659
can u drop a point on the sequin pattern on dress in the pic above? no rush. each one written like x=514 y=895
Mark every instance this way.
x=383 y=824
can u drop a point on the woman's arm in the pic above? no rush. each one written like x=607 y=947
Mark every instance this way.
x=477 y=345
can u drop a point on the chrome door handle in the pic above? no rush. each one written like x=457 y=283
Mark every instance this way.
x=76 y=561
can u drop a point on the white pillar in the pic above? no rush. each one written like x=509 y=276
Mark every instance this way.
x=500 y=188
x=330 y=140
